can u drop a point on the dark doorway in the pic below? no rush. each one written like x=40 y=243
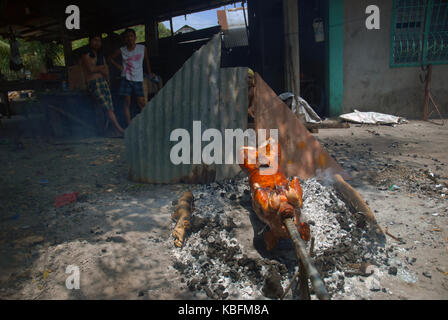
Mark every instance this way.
x=266 y=44
x=312 y=53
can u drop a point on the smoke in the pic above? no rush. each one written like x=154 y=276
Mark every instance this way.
x=326 y=176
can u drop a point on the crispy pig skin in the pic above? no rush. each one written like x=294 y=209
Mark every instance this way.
x=274 y=197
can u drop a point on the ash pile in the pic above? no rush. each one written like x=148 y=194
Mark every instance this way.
x=216 y=263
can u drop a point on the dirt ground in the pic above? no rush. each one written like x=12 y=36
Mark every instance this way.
x=119 y=233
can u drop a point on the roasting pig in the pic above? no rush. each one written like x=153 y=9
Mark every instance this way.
x=274 y=197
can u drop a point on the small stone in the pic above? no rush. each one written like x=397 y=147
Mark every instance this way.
x=272 y=287
x=427 y=274
x=393 y=271
x=229 y=225
x=218 y=293
x=251 y=265
x=373 y=284
x=192 y=284
x=209 y=292
x=234 y=275
x=179 y=266
x=211 y=252
x=205 y=265
x=116 y=239
x=232 y=196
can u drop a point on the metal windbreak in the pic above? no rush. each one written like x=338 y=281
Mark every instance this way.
x=199 y=91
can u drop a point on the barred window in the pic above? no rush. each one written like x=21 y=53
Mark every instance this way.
x=419 y=32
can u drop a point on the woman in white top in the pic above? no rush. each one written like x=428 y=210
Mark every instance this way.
x=131 y=68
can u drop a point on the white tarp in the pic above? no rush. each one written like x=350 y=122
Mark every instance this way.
x=300 y=106
x=372 y=118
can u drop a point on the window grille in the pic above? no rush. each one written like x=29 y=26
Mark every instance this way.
x=419 y=32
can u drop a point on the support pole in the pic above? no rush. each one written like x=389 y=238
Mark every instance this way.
x=429 y=98
x=8 y=105
x=67 y=44
x=171 y=26
x=152 y=37
x=292 y=52
x=427 y=93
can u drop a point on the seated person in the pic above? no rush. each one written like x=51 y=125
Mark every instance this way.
x=97 y=77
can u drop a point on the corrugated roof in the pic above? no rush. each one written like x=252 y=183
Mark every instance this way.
x=199 y=91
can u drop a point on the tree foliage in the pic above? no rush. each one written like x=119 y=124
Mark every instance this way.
x=34 y=56
x=163 y=31
x=140 y=31
x=34 y=53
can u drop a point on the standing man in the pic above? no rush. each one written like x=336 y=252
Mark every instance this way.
x=132 y=55
x=97 y=77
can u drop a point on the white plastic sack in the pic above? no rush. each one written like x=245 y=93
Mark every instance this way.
x=300 y=106
x=372 y=118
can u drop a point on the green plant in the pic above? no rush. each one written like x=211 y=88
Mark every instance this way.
x=34 y=56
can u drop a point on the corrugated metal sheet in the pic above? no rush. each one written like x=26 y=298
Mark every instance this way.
x=236 y=37
x=199 y=91
x=233 y=23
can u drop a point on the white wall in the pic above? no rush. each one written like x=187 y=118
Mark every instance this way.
x=370 y=84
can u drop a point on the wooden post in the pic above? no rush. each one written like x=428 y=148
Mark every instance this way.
x=8 y=105
x=427 y=92
x=292 y=52
x=152 y=37
x=429 y=99
x=171 y=26
x=67 y=44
